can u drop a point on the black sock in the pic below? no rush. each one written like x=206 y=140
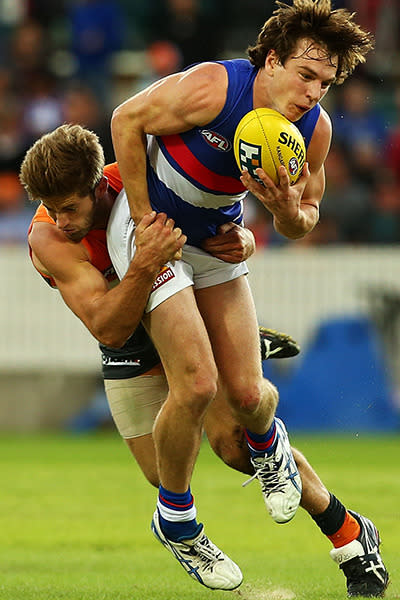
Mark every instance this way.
x=331 y=520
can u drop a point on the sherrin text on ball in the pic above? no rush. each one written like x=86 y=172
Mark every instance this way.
x=266 y=139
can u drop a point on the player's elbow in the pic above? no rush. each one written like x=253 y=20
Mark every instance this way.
x=117 y=121
x=110 y=336
x=113 y=341
x=123 y=115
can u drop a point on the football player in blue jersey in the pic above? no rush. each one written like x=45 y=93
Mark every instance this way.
x=202 y=318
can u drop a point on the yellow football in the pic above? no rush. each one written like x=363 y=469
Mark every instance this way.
x=265 y=138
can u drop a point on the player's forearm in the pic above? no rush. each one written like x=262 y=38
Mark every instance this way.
x=306 y=220
x=130 y=151
x=118 y=313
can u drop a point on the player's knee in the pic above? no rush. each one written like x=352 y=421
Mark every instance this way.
x=202 y=392
x=270 y=394
x=199 y=387
x=192 y=399
x=247 y=398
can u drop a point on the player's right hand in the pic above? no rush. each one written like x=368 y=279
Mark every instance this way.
x=157 y=236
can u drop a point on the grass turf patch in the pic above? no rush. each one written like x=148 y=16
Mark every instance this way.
x=76 y=511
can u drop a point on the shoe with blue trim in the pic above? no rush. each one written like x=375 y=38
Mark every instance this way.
x=201 y=559
x=360 y=561
x=279 y=478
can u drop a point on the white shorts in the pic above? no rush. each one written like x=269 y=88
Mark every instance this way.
x=197 y=267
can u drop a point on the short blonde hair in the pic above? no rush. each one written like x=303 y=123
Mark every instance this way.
x=67 y=161
x=314 y=20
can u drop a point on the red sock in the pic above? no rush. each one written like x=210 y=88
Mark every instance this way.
x=348 y=532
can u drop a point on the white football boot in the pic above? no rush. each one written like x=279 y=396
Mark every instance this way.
x=201 y=559
x=279 y=478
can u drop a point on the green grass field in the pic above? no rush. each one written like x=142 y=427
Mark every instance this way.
x=75 y=522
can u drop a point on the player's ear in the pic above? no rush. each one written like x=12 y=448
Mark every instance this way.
x=271 y=60
x=101 y=187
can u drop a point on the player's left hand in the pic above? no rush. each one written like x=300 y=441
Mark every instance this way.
x=283 y=200
x=232 y=243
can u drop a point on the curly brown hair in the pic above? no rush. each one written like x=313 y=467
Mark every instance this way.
x=65 y=162
x=334 y=30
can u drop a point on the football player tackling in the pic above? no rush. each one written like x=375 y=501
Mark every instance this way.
x=68 y=247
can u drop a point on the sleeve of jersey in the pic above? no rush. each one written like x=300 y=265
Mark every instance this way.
x=111 y=171
x=41 y=216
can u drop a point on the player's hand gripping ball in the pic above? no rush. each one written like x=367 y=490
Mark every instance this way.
x=266 y=139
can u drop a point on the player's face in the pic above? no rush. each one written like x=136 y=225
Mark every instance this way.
x=74 y=215
x=295 y=87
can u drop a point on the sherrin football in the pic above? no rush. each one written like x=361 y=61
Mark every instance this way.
x=265 y=138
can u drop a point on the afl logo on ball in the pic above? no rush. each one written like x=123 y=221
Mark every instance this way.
x=216 y=140
x=293 y=165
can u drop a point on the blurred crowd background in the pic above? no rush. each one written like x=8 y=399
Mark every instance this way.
x=75 y=60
